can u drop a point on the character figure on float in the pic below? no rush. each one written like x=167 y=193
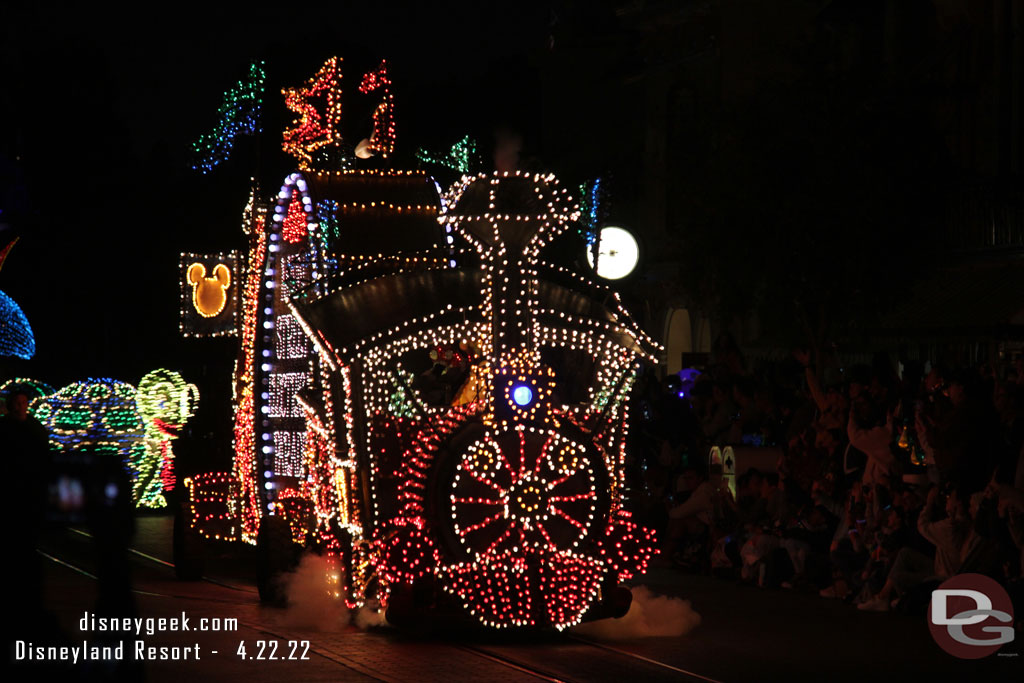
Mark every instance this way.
x=165 y=402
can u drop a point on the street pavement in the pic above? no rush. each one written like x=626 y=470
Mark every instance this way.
x=745 y=634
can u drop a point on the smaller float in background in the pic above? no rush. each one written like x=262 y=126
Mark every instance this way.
x=108 y=417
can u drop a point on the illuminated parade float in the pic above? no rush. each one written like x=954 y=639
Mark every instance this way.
x=419 y=393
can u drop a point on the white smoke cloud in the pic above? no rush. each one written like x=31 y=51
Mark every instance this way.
x=648 y=615
x=368 y=618
x=311 y=601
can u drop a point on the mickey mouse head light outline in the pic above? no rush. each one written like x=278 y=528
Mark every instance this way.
x=209 y=294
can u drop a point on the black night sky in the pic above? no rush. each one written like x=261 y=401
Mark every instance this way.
x=781 y=121
x=102 y=107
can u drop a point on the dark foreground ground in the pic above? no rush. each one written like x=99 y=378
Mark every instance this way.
x=745 y=634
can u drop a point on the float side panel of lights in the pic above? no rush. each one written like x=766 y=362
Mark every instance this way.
x=211 y=504
x=246 y=462
x=284 y=359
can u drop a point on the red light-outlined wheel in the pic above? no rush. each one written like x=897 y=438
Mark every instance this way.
x=523 y=489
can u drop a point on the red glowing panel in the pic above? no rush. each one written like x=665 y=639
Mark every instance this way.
x=406 y=555
x=496 y=591
x=570 y=584
x=295 y=221
x=627 y=548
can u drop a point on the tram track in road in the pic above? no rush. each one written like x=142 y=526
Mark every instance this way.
x=138 y=591
x=517 y=666
x=74 y=559
x=604 y=646
x=165 y=563
x=554 y=662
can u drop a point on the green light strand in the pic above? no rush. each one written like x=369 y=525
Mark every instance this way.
x=461 y=157
x=238 y=114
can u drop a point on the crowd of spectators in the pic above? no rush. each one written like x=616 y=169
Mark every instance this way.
x=880 y=484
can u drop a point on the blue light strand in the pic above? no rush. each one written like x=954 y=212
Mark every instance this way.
x=16 y=338
x=327 y=233
x=592 y=208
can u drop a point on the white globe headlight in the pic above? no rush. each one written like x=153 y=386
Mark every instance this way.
x=618 y=253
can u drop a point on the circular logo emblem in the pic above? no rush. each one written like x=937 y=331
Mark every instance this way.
x=970 y=616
